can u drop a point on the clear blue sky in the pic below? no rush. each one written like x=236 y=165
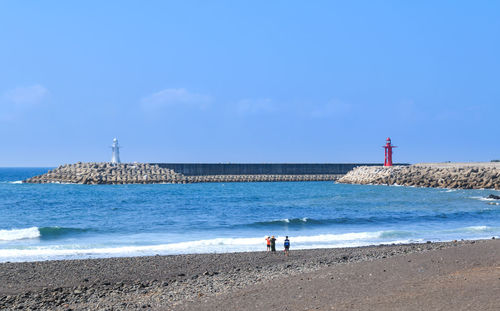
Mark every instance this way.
x=249 y=81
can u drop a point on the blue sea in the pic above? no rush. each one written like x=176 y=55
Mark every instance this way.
x=62 y=221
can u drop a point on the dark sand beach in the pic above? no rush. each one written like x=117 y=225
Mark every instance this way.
x=464 y=275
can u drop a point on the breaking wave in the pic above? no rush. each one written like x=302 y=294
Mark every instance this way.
x=19 y=234
x=484 y=199
x=219 y=245
x=401 y=218
x=35 y=232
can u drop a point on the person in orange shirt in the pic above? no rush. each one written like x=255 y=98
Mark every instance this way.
x=268 y=241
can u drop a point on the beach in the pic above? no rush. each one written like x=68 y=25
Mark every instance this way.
x=462 y=275
x=152 y=150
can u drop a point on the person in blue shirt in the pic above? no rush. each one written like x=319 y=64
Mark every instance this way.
x=287 y=246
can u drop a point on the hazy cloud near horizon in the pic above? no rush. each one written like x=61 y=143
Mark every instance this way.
x=16 y=101
x=253 y=106
x=175 y=98
x=332 y=109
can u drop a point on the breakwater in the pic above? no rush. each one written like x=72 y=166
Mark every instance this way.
x=201 y=169
x=437 y=175
x=142 y=173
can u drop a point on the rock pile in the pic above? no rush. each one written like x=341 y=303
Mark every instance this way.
x=461 y=177
x=107 y=173
x=141 y=173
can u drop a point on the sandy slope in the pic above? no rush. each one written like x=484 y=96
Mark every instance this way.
x=461 y=278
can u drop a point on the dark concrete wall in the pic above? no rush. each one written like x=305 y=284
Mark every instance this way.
x=193 y=169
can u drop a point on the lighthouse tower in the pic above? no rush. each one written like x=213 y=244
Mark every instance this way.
x=115 y=158
x=388 y=152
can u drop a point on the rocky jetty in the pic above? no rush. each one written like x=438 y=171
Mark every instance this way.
x=455 y=176
x=141 y=173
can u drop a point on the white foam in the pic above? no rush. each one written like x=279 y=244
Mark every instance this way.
x=19 y=234
x=473 y=229
x=27 y=253
x=477 y=228
x=483 y=199
x=338 y=237
x=305 y=219
x=217 y=245
x=75 y=251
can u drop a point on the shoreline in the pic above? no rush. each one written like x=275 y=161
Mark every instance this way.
x=156 y=249
x=181 y=281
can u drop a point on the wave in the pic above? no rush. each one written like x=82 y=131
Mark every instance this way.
x=41 y=233
x=483 y=199
x=236 y=244
x=52 y=253
x=396 y=234
x=401 y=218
x=350 y=239
x=309 y=221
x=478 y=228
x=19 y=234
x=285 y=221
x=56 y=232
x=474 y=229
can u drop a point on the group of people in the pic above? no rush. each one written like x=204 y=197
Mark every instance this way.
x=271 y=244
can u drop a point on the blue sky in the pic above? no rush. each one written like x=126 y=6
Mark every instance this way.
x=249 y=81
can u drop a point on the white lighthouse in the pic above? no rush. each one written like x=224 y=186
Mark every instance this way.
x=115 y=158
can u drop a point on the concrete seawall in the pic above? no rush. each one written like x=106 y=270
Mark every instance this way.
x=202 y=169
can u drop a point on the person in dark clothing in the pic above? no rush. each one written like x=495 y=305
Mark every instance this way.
x=287 y=246
x=273 y=244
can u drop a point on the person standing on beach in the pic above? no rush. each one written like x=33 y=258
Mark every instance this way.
x=273 y=244
x=287 y=246
x=268 y=242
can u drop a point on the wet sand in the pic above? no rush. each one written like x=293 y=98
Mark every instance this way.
x=437 y=276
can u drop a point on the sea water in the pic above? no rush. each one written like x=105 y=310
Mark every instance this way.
x=63 y=221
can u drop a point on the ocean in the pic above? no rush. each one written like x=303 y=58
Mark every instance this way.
x=62 y=221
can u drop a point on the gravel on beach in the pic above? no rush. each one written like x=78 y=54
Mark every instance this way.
x=187 y=282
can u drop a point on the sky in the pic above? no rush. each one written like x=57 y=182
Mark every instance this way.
x=249 y=81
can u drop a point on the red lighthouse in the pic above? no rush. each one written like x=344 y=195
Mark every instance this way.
x=388 y=152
